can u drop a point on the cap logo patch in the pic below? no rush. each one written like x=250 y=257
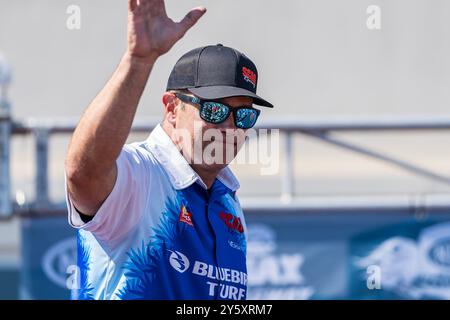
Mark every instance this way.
x=249 y=76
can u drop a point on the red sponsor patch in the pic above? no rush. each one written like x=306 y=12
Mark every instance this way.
x=232 y=222
x=249 y=76
x=185 y=216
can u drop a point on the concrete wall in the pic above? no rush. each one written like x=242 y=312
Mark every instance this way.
x=315 y=57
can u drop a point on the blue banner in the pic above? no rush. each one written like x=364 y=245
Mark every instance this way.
x=328 y=255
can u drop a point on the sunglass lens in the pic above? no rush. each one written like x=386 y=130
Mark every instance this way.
x=246 y=118
x=214 y=112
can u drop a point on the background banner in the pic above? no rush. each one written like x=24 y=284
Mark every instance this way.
x=329 y=255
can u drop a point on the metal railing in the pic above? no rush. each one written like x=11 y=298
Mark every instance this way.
x=321 y=129
x=5 y=133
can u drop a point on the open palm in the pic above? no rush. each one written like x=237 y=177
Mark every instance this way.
x=151 y=32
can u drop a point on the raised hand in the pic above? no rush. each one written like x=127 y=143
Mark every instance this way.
x=151 y=33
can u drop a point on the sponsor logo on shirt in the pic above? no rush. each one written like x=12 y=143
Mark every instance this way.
x=221 y=282
x=232 y=222
x=185 y=216
x=178 y=261
x=236 y=245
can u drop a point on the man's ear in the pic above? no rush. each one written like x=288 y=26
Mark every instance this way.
x=170 y=111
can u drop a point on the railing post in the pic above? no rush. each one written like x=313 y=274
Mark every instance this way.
x=5 y=136
x=41 y=140
x=288 y=174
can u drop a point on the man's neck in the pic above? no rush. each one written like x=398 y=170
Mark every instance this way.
x=208 y=177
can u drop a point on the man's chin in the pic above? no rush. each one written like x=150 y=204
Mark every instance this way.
x=215 y=165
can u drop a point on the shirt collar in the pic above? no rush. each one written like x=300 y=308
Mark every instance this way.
x=180 y=172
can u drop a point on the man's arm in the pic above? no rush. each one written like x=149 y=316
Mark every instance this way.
x=102 y=131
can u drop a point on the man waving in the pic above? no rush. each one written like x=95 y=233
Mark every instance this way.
x=160 y=219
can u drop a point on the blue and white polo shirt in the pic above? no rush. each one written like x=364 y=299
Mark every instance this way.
x=160 y=234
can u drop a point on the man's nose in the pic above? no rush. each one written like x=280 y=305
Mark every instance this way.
x=228 y=123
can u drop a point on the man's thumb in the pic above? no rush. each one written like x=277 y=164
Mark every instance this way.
x=190 y=19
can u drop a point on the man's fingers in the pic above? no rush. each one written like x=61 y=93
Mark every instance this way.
x=132 y=4
x=147 y=7
x=190 y=19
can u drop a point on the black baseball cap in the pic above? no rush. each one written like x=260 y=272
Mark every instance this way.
x=216 y=72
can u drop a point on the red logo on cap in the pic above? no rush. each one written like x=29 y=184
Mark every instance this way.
x=249 y=76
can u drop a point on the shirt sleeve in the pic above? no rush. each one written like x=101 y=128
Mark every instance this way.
x=123 y=207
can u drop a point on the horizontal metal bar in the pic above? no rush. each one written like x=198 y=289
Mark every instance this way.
x=409 y=204
x=402 y=164
x=68 y=126
x=293 y=124
x=358 y=123
x=413 y=203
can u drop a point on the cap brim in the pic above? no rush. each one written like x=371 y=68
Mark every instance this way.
x=220 y=92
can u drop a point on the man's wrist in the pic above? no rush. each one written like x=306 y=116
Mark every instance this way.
x=141 y=62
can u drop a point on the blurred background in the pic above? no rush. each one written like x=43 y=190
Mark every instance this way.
x=333 y=69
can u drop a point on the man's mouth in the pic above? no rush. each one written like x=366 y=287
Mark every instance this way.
x=230 y=140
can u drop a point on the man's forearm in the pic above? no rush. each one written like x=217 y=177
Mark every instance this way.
x=104 y=127
x=91 y=169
